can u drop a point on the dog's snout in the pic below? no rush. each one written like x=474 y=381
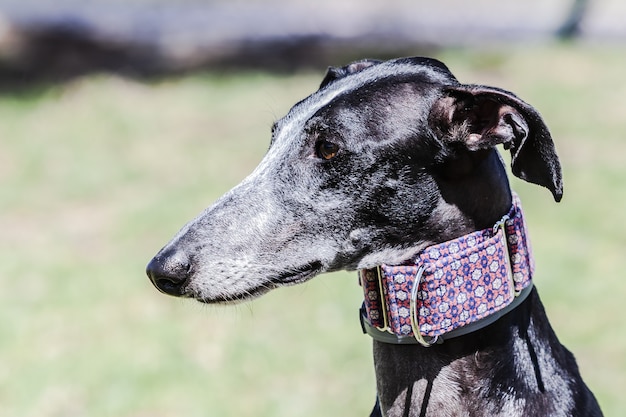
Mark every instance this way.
x=169 y=272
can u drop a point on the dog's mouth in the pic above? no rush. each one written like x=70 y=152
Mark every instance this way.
x=298 y=275
x=289 y=277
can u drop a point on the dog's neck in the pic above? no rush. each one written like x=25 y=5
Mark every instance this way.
x=434 y=380
x=481 y=193
x=411 y=376
x=497 y=359
x=452 y=288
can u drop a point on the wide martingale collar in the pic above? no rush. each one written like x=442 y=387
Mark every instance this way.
x=452 y=288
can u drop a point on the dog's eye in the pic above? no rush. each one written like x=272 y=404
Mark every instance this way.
x=326 y=150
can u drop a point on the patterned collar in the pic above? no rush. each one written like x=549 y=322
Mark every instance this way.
x=452 y=288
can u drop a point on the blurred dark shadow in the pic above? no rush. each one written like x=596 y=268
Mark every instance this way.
x=42 y=43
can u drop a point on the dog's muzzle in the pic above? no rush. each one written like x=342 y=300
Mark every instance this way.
x=169 y=272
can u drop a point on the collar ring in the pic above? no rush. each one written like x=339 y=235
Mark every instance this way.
x=414 y=311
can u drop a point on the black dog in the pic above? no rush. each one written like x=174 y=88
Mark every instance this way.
x=386 y=160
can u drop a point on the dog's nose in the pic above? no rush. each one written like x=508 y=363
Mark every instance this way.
x=169 y=271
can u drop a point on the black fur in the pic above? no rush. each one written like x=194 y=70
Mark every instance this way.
x=413 y=163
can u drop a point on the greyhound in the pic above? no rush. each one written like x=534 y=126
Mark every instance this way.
x=384 y=161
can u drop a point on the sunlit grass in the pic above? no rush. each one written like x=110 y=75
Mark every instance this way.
x=97 y=174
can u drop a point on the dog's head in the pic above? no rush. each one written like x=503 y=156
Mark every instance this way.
x=383 y=160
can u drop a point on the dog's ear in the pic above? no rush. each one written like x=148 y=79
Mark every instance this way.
x=335 y=73
x=482 y=117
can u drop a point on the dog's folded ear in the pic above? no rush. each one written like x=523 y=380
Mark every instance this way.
x=335 y=73
x=481 y=117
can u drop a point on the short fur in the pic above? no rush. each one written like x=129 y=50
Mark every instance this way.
x=414 y=165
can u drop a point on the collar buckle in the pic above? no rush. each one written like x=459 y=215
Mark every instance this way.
x=500 y=227
x=501 y=224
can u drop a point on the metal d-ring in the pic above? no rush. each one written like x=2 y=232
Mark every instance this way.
x=415 y=312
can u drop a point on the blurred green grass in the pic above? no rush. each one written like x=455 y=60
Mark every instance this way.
x=96 y=175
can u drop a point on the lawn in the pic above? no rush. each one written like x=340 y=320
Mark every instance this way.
x=97 y=174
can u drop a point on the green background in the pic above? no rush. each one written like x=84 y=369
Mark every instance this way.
x=97 y=174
